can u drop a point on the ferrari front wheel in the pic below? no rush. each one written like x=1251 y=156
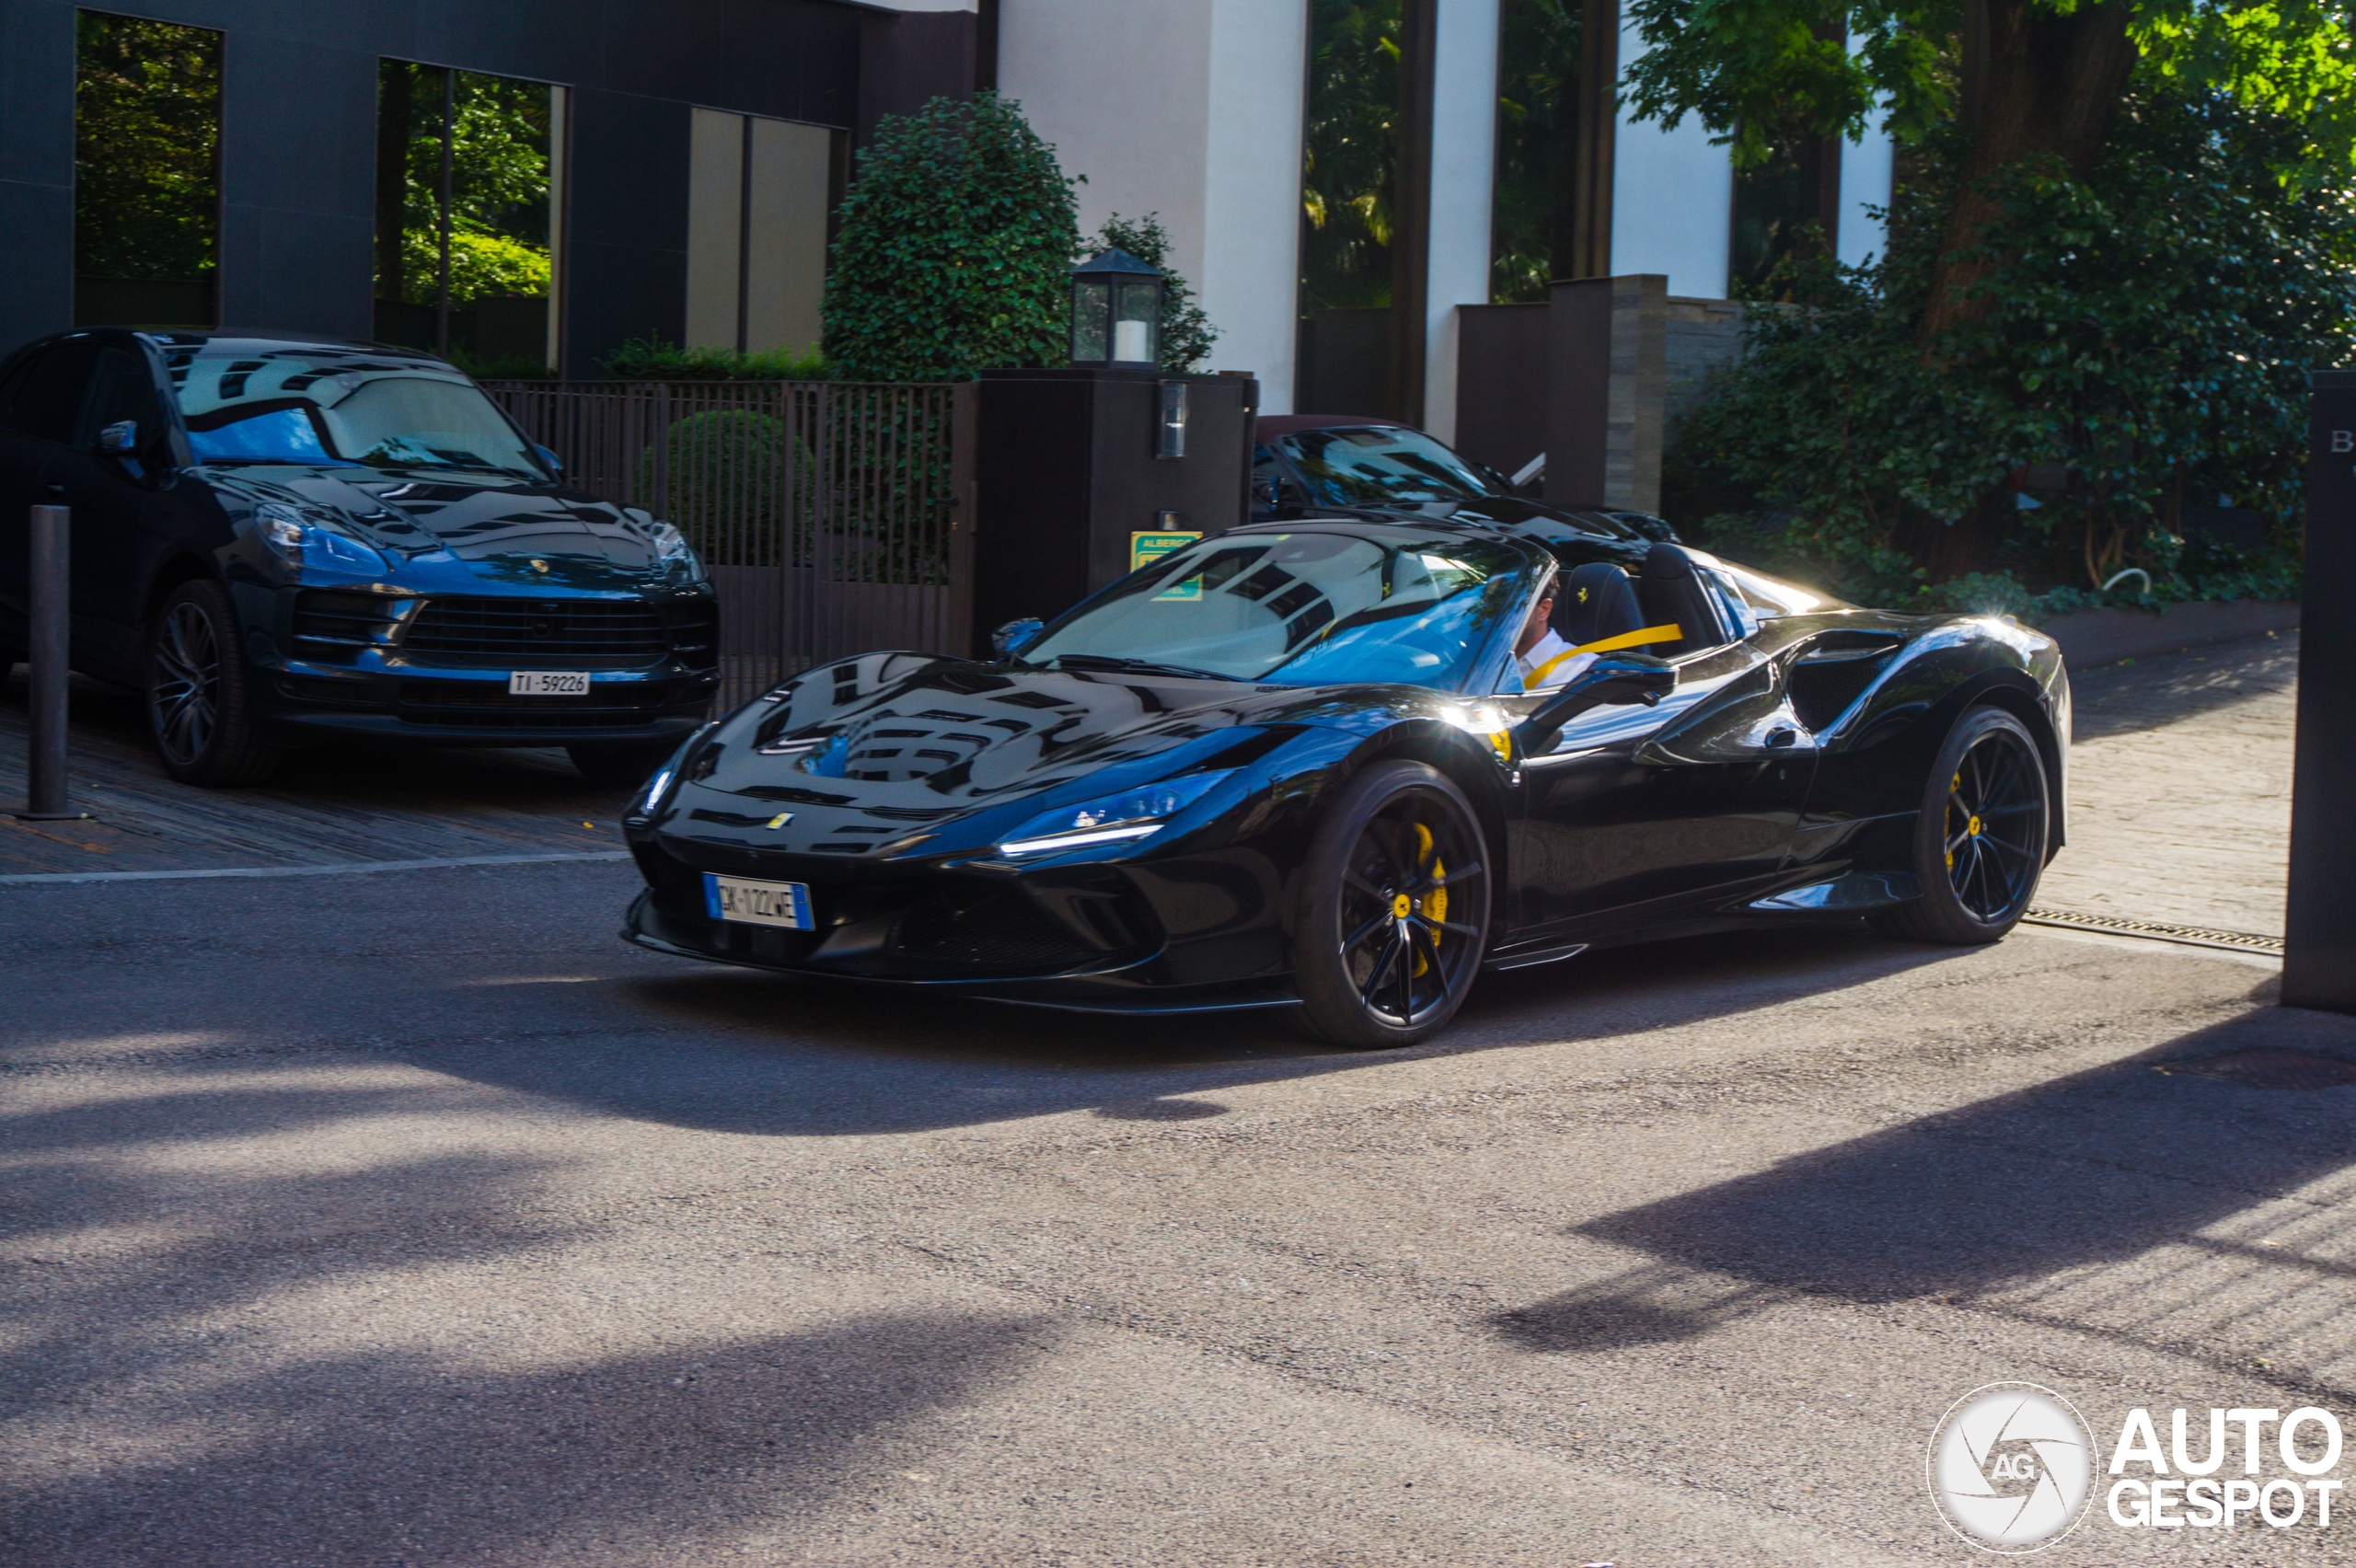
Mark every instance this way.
x=1980 y=842
x=1394 y=910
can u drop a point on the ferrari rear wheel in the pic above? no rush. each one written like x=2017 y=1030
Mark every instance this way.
x=1394 y=909
x=1980 y=841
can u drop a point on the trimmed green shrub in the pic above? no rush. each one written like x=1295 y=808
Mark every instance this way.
x=956 y=250
x=651 y=359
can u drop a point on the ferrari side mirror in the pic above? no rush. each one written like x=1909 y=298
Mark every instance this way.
x=1014 y=636
x=1615 y=679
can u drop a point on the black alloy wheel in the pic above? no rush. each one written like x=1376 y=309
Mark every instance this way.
x=1980 y=844
x=197 y=707
x=1395 y=909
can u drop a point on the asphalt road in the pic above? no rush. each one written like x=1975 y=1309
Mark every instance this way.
x=410 y=1219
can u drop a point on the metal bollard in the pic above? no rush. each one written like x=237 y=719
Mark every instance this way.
x=50 y=631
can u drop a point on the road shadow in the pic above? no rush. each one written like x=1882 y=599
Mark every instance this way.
x=231 y=1362
x=2069 y=1177
x=742 y=1052
x=2148 y=693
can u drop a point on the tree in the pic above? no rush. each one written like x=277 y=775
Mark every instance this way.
x=2022 y=78
x=956 y=250
x=2025 y=88
x=2143 y=341
x=147 y=134
x=1186 y=333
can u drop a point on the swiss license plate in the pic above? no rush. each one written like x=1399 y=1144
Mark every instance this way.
x=757 y=902
x=547 y=683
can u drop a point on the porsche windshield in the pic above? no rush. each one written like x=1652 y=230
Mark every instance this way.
x=1379 y=466
x=1300 y=609
x=317 y=406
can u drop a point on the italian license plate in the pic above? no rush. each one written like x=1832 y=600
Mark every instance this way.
x=757 y=902
x=547 y=683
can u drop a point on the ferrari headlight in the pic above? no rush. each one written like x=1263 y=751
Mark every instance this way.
x=302 y=537
x=672 y=551
x=1111 y=819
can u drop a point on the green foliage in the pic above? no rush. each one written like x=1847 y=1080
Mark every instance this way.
x=1350 y=152
x=2145 y=346
x=146 y=148
x=1186 y=332
x=956 y=250
x=1745 y=67
x=722 y=479
x=653 y=359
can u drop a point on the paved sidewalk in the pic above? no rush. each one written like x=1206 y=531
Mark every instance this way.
x=2181 y=789
x=327 y=807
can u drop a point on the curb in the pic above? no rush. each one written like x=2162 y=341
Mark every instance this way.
x=2106 y=635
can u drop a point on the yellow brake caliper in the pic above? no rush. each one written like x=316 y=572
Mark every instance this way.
x=1433 y=905
x=1948 y=816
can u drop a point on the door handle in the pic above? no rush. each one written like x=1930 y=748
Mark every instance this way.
x=1778 y=738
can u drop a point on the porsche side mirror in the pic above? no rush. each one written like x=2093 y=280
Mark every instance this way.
x=555 y=464
x=1014 y=636
x=1615 y=679
x=120 y=439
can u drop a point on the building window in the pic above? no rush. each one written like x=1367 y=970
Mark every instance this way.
x=469 y=211
x=147 y=172
x=760 y=196
x=1538 y=154
x=1787 y=206
x=1349 y=196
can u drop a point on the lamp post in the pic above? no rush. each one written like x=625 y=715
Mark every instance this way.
x=1115 y=313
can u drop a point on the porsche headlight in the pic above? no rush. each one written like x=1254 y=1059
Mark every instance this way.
x=672 y=551
x=1111 y=819
x=307 y=537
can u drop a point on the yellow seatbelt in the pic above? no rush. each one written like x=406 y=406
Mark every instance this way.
x=1649 y=635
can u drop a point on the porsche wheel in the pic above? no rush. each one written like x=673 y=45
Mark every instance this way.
x=197 y=707
x=1980 y=841
x=1395 y=909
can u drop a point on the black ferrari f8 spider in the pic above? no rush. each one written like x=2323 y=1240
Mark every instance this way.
x=1343 y=766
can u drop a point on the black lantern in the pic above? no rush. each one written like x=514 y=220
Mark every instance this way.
x=1116 y=313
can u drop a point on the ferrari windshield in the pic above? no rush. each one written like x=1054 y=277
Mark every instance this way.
x=257 y=402
x=1307 y=608
x=1376 y=466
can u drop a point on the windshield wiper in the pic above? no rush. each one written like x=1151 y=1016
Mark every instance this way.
x=1146 y=666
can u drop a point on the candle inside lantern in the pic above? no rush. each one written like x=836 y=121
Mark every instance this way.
x=1129 y=342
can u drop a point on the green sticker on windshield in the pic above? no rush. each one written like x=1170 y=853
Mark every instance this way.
x=1146 y=548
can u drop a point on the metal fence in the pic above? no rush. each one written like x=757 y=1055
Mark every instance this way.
x=826 y=511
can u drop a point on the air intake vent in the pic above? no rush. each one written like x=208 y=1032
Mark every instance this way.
x=332 y=627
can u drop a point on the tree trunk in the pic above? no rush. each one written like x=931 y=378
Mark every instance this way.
x=2033 y=82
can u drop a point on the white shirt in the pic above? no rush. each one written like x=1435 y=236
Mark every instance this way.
x=1545 y=648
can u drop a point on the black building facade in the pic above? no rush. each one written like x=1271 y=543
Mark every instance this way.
x=643 y=90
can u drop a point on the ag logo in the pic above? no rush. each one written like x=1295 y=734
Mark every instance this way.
x=2010 y=1468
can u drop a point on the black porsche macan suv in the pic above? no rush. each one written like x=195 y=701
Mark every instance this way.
x=280 y=539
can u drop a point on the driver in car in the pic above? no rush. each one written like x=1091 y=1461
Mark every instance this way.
x=1540 y=654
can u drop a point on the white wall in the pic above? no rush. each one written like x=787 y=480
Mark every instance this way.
x=1673 y=198
x=1464 y=119
x=1190 y=108
x=1867 y=170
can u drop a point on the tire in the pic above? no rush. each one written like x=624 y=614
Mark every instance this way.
x=620 y=764
x=199 y=709
x=1382 y=953
x=1980 y=839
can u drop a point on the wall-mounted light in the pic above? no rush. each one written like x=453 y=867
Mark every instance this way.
x=1169 y=428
